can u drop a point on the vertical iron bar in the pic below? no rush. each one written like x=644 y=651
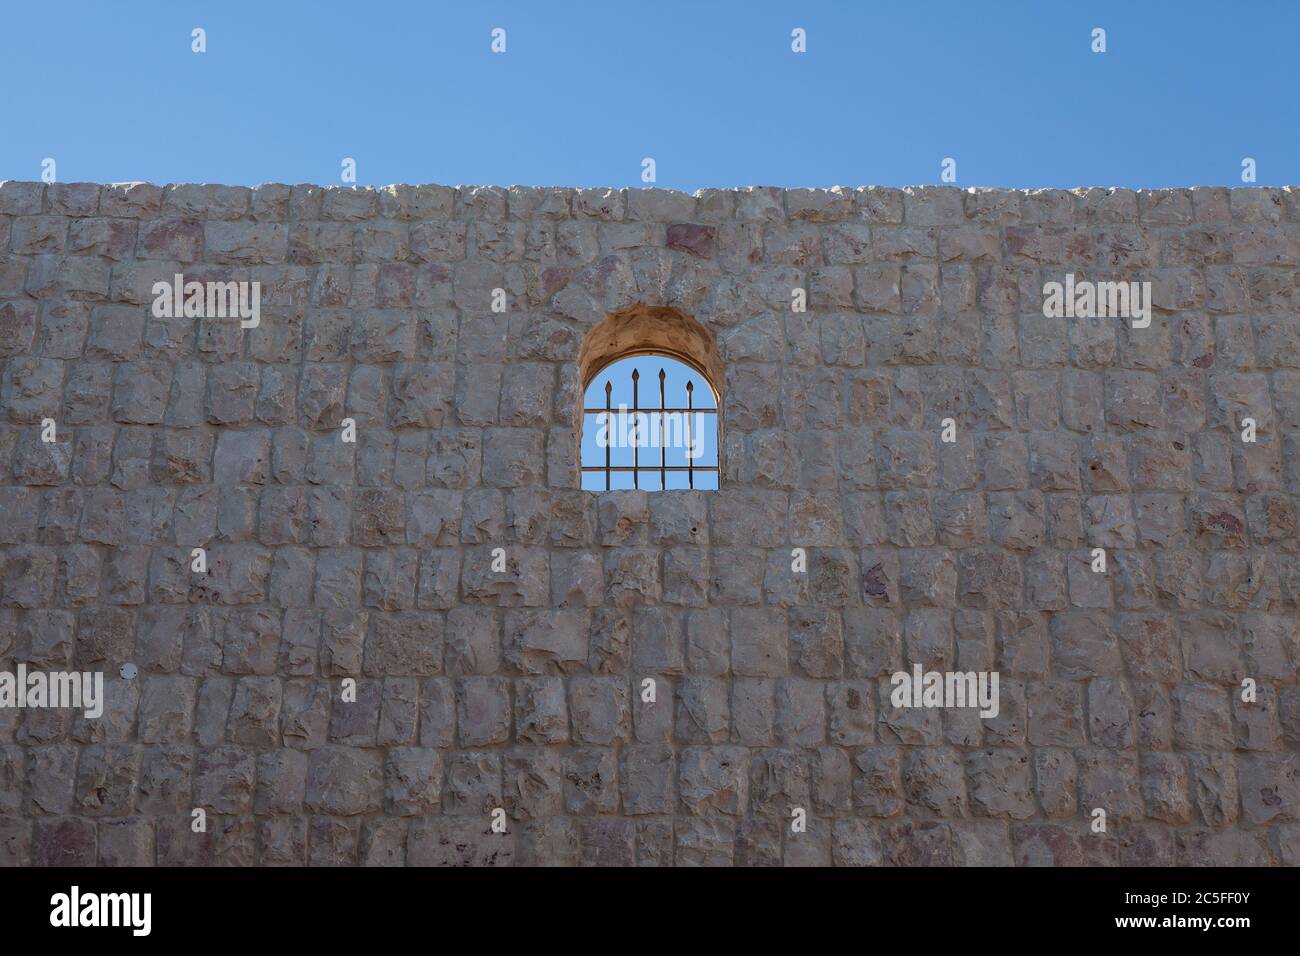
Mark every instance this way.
x=663 y=430
x=636 y=431
x=609 y=426
x=690 y=407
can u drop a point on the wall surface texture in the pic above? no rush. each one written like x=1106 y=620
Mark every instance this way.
x=1121 y=691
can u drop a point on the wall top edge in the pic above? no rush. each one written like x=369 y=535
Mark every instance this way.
x=467 y=187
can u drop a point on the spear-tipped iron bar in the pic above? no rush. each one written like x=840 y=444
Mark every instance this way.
x=636 y=431
x=609 y=388
x=690 y=400
x=663 y=430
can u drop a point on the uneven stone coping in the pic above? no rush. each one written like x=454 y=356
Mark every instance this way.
x=839 y=188
x=435 y=200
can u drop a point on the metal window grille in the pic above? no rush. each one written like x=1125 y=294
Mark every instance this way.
x=638 y=467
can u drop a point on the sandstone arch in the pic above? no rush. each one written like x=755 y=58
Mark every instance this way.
x=645 y=328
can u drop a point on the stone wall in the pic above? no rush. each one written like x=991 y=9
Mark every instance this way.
x=1120 y=690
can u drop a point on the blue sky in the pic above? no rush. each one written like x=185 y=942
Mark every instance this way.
x=710 y=91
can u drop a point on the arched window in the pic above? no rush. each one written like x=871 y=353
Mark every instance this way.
x=649 y=421
x=651 y=405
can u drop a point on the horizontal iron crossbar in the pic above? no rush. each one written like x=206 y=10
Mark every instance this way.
x=647 y=411
x=650 y=468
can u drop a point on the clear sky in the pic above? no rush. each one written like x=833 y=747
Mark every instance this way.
x=711 y=91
